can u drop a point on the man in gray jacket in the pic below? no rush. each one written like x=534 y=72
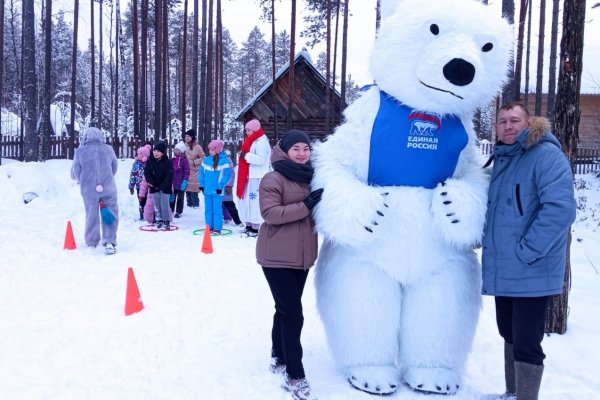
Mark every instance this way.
x=94 y=167
x=530 y=208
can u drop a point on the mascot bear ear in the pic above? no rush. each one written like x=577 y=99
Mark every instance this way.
x=388 y=7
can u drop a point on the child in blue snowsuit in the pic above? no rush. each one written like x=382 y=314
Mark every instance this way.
x=213 y=175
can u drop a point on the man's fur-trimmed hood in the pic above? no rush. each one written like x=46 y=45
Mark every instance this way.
x=538 y=128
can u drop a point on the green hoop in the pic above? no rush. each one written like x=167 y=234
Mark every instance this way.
x=224 y=232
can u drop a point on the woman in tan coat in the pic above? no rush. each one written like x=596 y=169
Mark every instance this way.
x=194 y=155
x=286 y=249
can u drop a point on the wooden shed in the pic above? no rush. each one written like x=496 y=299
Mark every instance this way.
x=308 y=111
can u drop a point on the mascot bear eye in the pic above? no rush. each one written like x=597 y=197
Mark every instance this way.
x=434 y=29
x=487 y=47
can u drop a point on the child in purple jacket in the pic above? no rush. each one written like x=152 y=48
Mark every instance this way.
x=181 y=174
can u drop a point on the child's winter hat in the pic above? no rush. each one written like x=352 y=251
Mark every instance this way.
x=143 y=151
x=291 y=138
x=253 y=125
x=160 y=146
x=180 y=146
x=216 y=145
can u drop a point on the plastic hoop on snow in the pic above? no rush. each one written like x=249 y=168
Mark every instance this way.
x=224 y=232
x=152 y=228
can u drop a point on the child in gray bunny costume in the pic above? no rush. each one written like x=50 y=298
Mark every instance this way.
x=94 y=167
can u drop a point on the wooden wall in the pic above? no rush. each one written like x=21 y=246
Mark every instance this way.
x=589 y=123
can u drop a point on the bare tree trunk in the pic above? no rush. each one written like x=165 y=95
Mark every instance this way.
x=336 y=34
x=136 y=73
x=116 y=86
x=291 y=75
x=195 y=56
x=183 y=70
x=477 y=125
x=203 y=77
x=552 y=61
x=327 y=69
x=528 y=53
x=219 y=76
x=508 y=93
x=377 y=15
x=1 y=66
x=101 y=63
x=164 y=55
x=540 y=60
x=157 y=69
x=344 y=58
x=144 y=81
x=273 y=72
x=519 y=57
x=46 y=128
x=111 y=66
x=22 y=100
x=566 y=128
x=73 y=79
x=118 y=58
x=92 y=64
x=30 y=150
x=210 y=77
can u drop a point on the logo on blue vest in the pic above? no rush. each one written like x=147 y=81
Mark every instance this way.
x=423 y=132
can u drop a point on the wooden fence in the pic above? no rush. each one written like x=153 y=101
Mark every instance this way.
x=587 y=160
x=12 y=146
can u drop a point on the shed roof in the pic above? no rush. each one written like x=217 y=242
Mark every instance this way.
x=310 y=100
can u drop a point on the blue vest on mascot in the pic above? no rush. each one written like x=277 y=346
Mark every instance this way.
x=413 y=148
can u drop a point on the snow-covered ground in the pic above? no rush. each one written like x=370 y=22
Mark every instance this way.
x=205 y=330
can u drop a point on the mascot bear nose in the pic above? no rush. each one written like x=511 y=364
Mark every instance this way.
x=459 y=72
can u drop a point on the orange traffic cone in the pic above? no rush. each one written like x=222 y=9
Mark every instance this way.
x=69 y=238
x=133 y=300
x=207 y=241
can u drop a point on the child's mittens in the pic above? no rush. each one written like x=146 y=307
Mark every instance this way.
x=183 y=185
x=171 y=198
x=219 y=191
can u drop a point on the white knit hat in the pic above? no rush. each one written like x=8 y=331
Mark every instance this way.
x=180 y=146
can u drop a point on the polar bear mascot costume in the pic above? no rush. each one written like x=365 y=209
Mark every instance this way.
x=404 y=201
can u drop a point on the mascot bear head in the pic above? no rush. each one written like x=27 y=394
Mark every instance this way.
x=441 y=56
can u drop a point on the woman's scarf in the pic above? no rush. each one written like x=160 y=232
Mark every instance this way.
x=301 y=173
x=244 y=166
